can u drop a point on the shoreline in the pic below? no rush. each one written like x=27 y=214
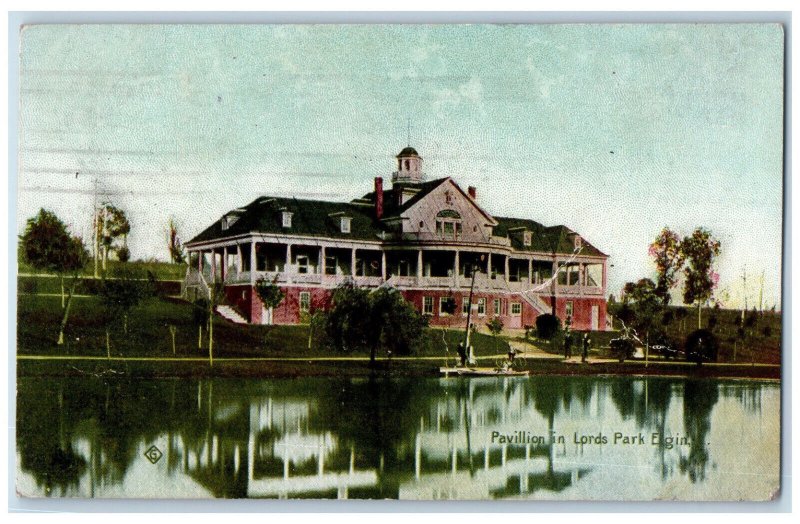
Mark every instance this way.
x=290 y=367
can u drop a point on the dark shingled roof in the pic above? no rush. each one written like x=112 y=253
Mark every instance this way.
x=314 y=218
x=309 y=218
x=547 y=239
x=408 y=151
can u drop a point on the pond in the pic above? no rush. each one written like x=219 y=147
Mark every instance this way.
x=540 y=438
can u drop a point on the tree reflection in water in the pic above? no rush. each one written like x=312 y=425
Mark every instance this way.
x=385 y=437
x=699 y=398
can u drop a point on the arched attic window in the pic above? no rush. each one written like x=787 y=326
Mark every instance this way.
x=448 y=224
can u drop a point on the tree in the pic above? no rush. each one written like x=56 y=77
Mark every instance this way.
x=364 y=320
x=701 y=346
x=127 y=289
x=176 y=251
x=269 y=293
x=495 y=326
x=669 y=258
x=547 y=326
x=111 y=224
x=699 y=250
x=646 y=306
x=47 y=246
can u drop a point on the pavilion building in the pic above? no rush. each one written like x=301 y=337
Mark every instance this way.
x=430 y=240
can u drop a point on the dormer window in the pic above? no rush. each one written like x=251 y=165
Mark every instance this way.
x=287 y=218
x=578 y=241
x=228 y=220
x=448 y=224
x=527 y=238
x=344 y=224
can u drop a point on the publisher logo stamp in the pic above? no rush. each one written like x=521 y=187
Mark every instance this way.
x=153 y=454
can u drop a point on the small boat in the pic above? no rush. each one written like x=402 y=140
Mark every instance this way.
x=481 y=372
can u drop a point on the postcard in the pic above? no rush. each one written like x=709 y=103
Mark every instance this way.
x=414 y=262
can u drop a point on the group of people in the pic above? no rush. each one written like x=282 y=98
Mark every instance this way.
x=586 y=342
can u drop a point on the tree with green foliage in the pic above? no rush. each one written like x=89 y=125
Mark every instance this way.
x=112 y=224
x=495 y=326
x=699 y=250
x=668 y=257
x=47 y=246
x=364 y=320
x=124 y=290
x=270 y=294
x=176 y=251
x=646 y=307
x=547 y=326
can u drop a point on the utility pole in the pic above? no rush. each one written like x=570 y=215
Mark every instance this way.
x=744 y=290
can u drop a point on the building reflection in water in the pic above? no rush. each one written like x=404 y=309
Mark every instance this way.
x=378 y=438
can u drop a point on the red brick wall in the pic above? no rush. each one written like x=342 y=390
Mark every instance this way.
x=288 y=312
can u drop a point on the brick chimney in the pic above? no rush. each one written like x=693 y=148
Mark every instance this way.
x=473 y=193
x=378 y=197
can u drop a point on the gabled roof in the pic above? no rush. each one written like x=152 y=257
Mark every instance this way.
x=317 y=218
x=391 y=206
x=558 y=239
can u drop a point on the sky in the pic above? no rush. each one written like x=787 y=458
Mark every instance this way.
x=615 y=131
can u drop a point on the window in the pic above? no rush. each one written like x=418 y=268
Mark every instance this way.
x=345 y=224
x=568 y=309
x=465 y=306
x=330 y=265
x=287 y=219
x=481 y=306
x=568 y=275
x=516 y=309
x=443 y=303
x=448 y=224
x=427 y=305
x=302 y=264
x=527 y=238
x=305 y=301
x=496 y=306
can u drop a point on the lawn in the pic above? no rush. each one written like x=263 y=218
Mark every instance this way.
x=161 y=270
x=149 y=333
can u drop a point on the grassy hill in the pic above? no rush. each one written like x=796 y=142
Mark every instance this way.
x=149 y=333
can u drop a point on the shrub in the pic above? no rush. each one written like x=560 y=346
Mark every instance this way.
x=701 y=346
x=547 y=325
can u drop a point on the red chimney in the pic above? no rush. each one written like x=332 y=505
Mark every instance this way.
x=378 y=197
x=473 y=193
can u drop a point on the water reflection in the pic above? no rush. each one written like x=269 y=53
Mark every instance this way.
x=399 y=438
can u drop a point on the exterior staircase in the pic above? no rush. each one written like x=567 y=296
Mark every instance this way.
x=230 y=314
x=538 y=304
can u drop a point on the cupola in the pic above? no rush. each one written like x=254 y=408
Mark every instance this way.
x=409 y=167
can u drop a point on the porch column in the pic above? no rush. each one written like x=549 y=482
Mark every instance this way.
x=322 y=260
x=605 y=275
x=530 y=271
x=489 y=265
x=288 y=258
x=213 y=266
x=508 y=258
x=456 y=264
x=238 y=258
x=224 y=262
x=419 y=263
x=383 y=265
x=353 y=262
x=253 y=262
x=200 y=261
